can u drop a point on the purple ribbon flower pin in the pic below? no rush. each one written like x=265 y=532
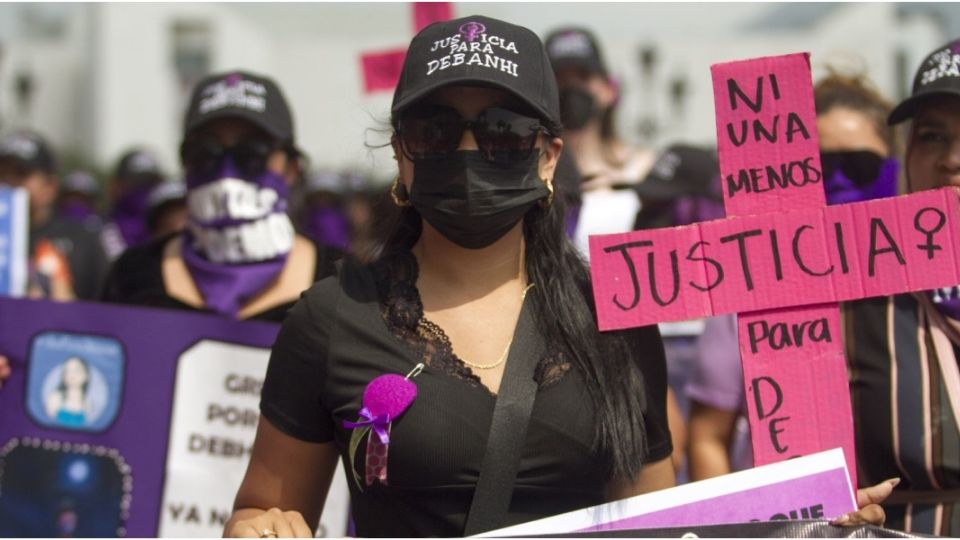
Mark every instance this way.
x=384 y=399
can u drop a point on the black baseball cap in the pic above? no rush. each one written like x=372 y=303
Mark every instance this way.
x=239 y=94
x=81 y=182
x=29 y=150
x=938 y=74
x=575 y=47
x=162 y=196
x=680 y=171
x=138 y=166
x=480 y=51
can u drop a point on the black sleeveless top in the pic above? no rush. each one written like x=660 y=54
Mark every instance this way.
x=344 y=333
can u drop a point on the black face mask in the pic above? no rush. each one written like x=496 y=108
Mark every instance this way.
x=577 y=107
x=473 y=202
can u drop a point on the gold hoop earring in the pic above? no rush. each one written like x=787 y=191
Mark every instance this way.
x=548 y=202
x=398 y=192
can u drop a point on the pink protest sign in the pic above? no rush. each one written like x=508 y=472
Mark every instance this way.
x=427 y=13
x=381 y=70
x=811 y=487
x=795 y=162
x=773 y=260
x=781 y=259
x=798 y=406
x=766 y=135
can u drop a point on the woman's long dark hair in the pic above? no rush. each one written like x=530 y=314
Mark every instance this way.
x=565 y=312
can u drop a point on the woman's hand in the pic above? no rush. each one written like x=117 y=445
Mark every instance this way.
x=870 y=511
x=273 y=523
x=4 y=369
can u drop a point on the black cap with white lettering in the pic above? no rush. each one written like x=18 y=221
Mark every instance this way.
x=480 y=51
x=238 y=94
x=938 y=75
x=575 y=47
x=138 y=167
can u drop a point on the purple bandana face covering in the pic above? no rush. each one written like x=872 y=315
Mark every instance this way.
x=238 y=235
x=329 y=226
x=129 y=214
x=947 y=301
x=858 y=176
x=76 y=210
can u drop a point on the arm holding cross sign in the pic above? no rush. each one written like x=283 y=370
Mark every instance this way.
x=902 y=350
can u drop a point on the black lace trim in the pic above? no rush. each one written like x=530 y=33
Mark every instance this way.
x=402 y=311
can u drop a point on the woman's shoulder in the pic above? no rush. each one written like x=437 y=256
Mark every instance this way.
x=346 y=276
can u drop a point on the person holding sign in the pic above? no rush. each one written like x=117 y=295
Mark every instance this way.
x=608 y=166
x=478 y=284
x=239 y=255
x=66 y=260
x=902 y=350
x=856 y=147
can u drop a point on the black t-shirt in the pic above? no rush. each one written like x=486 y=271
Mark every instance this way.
x=80 y=244
x=136 y=278
x=344 y=333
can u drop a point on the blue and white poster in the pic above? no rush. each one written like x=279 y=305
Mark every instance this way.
x=13 y=241
x=125 y=421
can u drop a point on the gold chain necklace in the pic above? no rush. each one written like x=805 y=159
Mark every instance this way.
x=506 y=351
x=435 y=332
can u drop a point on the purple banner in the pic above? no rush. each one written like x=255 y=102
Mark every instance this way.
x=86 y=415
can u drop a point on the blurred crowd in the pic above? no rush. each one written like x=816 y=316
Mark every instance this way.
x=83 y=228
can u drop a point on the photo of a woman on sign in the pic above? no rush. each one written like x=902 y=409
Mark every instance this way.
x=69 y=404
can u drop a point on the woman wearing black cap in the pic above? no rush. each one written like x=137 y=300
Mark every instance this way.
x=479 y=285
x=588 y=103
x=239 y=256
x=460 y=377
x=903 y=350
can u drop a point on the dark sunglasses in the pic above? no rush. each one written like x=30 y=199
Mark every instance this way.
x=504 y=137
x=205 y=156
x=861 y=166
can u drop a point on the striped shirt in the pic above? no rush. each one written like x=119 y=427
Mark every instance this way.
x=905 y=386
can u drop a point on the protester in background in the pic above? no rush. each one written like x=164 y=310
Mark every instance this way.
x=856 y=147
x=239 y=255
x=78 y=199
x=902 y=351
x=606 y=165
x=476 y=251
x=682 y=188
x=588 y=101
x=137 y=172
x=167 y=209
x=66 y=261
x=324 y=218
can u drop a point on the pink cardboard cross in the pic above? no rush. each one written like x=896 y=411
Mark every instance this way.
x=781 y=259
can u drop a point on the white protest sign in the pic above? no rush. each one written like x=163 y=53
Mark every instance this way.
x=215 y=415
x=13 y=241
x=809 y=487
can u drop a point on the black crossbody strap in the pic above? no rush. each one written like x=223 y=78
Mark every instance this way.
x=508 y=429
